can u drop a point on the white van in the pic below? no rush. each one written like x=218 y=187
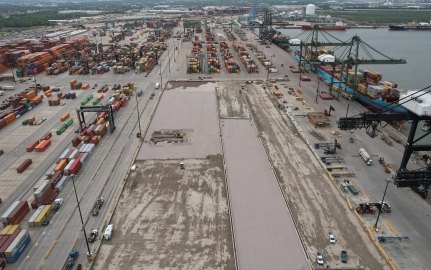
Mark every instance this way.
x=157 y=86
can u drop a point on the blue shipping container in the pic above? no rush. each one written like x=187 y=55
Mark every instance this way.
x=20 y=250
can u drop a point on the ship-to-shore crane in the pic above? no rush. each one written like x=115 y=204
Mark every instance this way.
x=418 y=179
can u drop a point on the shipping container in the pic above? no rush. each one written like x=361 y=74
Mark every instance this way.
x=55 y=178
x=10 y=229
x=46 y=136
x=61 y=165
x=43 y=145
x=24 y=165
x=34 y=216
x=6 y=244
x=8 y=211
x=18 y=213
x=50 y=170
x=75 y=167
x=17 y=247
x=42 y=188
x=43 y=215
x=61 y=183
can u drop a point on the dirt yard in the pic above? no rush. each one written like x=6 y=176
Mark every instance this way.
x=168 y=218
x=316 y=206
x=231 y=102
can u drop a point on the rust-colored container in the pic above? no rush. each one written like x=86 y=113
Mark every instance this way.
x=24 y=165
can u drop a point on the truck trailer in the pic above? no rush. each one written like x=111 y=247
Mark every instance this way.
x=365 y=156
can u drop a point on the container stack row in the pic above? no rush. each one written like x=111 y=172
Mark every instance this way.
x=194 y=62
x=17 y=105
x=245 y=57
x=229 y=62
x=212 y=57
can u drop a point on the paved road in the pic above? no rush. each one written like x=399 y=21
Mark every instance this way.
x=265 y=234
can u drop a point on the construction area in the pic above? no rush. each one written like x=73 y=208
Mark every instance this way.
x=177 y=198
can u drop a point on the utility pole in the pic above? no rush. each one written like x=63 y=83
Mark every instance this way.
x=89 y=255
x=317 y=91
x=381 y=205
x=139 y=117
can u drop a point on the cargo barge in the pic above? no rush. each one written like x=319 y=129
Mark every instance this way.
x=411 y=26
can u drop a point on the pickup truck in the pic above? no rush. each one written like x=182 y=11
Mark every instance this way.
x=93 y=235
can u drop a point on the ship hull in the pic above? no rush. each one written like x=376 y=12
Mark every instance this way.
x=371 y=104
x=326 y=28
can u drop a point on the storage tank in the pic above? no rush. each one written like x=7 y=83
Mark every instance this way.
x=310 y=10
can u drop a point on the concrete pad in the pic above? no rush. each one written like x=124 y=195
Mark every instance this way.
x=194 y=109
x=265 y=234
x=168 y=218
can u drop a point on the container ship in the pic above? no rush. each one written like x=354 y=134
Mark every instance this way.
x=372 y=92
x=410 y=26
x=338 y=26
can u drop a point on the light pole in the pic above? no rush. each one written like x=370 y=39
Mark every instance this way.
x=80 y=215
x=139 y=117
x=381 y=204
x=317 y=91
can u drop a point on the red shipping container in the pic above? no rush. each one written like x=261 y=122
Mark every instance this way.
x=45 y=195
x=75 y=167
x=3 y=239
x=95 y=140
x=55 y=178
x=76 y=141
x=24 y=165
x=33 y=145
x=47 y=136
x=79 y=156
x=43 y=145
x=50 y=197
x=7 y=243
x=18 y=213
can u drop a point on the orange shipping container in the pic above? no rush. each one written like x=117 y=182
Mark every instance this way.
x=36 y=99
x=10 y=118
x=30 y=95
x=61 y=165
x=85 y=86
x=65 y=117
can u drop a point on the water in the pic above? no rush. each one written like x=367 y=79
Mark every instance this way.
x=412 y=46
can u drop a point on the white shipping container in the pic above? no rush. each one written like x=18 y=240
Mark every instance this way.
x=34 y=216
x=83 y=146
x=50 y=171
x=61 y=183
x=44 y=186
x=37 y=185
x=74 y=154
x=8 y=211
x=84 y=157
x=91 y=147
x=63 y=155
x=66 y=169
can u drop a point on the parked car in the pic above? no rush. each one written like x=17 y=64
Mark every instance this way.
x=319 y=258
x=344 y=256
x=332 y=239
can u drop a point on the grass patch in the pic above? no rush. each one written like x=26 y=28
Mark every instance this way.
x=376 y=16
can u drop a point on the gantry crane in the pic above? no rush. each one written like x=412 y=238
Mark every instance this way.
x=351 y=53
x=252 y=15
x=418 y=179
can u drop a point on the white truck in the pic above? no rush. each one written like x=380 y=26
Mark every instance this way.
x=108 y=231
x=7 y=87
x=365 y=156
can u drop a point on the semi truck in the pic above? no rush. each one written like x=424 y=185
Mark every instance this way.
x=97 y=205
x=365 y=156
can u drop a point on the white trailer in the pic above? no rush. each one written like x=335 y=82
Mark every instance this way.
x=365 y=156
x=108 y=231
x=7 y=87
